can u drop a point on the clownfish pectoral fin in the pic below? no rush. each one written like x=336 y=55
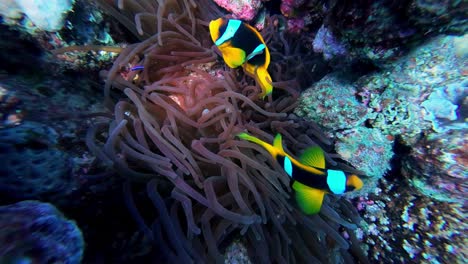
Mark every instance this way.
x=233 y=57
x=250 y=69
x=214 y=28
x=278 y=142
x=313 y=157
x=308 y=199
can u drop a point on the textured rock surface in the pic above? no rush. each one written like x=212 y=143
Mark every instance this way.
x=35 y=232
x=33 y=165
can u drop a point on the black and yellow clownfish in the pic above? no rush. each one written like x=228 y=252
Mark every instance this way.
x=311 y=180
x=241 y=44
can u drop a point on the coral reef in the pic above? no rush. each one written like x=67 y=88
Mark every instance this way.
x=368 y=150
x=395 y=107
x=438 y=166
x=380 y=31
x=326 y=43
x=403 y=226
x=241 y=9
x=415 y=211
x=86 y=25
x=420 y=93
x=33 y=165
x=236 y=253
x=35 y=232
x=331 y=102
x=44 y=15
x=10 y=110
x=174 y=126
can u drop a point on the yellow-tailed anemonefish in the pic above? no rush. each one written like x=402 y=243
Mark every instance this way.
x=311 y=180
x=241 y=44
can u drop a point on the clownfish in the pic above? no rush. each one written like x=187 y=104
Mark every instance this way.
x=311 y=180
x=241 y=44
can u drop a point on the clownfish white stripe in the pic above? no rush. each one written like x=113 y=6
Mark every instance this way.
x=336 y=181
x=288 y=167
x=258 y=50
x=231 y=29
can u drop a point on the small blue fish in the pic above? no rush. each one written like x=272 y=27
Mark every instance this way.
x=137 y=68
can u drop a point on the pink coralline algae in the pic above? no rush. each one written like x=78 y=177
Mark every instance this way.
x=438 y=165
x=401 y=226
x=241 y=9
x=288 y=6
x=296 y=25
x=368 y=150
x=325 y=42
x=10 y=111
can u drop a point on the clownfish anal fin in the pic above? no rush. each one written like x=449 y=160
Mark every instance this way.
x=233 y=57
x=214 y=28
x=308 y=199
x=250 y=69
x=313 y=157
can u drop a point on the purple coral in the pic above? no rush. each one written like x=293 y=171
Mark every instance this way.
x=35 y=232
x=325 y=42
x=288 y=6
x=296 y=25
x=241 y=9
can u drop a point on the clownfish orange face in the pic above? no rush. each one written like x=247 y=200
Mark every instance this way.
x=242 y=45
x=310 y=177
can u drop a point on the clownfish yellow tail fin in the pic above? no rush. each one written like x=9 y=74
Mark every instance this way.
x=354 y=181
x=271 y=149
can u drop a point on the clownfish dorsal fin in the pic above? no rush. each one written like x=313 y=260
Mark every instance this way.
x=313 y=157
x=308 y=199
x=278 y=143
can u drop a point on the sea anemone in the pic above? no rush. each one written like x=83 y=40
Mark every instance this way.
x=173 y=128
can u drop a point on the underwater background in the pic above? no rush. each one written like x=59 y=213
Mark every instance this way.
x=119 y=124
